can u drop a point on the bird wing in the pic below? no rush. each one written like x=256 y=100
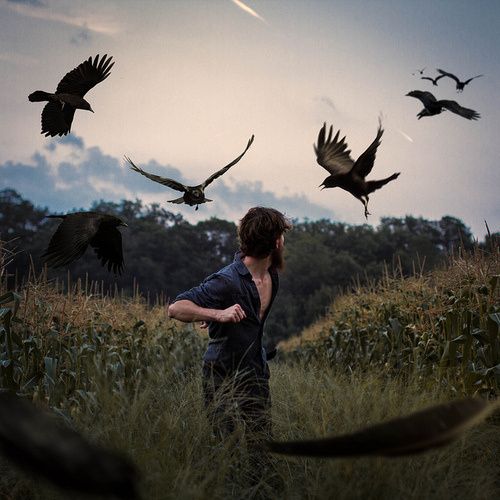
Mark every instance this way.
x=454 y=107
x=40 y=443
x=433 y=80
x=417 y=432
x=107 y=243
x=425 y=97
x=450 y=75
x=71 y=239
x=162 y=180
x=364 y=163
x=333 y=154
x=223 y=170
x=470 y=79
x=85 y=76
x=57 y=119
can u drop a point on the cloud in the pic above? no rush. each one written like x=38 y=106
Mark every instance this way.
x=76 y=176
x=72 y=140
x=34 y=3
x=82 y=37
x=86 y=21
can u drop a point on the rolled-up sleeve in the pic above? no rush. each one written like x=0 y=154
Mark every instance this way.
x=212 y=293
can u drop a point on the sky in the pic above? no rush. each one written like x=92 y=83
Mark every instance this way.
x=193 y=80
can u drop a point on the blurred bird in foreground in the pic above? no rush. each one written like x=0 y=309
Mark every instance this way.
x=58 y=113
x=79 y=230
x=193 y=195
x=418 y=432
x=345 y=173
x=460 y=85
x=433 y=107
x=38 y=443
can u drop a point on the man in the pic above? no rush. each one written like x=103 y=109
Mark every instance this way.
x=234 y=303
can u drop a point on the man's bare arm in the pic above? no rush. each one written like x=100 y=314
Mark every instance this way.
x=187 y=311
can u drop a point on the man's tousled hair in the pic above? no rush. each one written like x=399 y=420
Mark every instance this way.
x=259 y=229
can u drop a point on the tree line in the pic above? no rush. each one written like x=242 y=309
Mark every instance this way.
x=165 y=254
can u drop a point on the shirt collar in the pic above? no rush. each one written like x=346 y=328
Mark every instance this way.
x=243 y=270
x=240 y=267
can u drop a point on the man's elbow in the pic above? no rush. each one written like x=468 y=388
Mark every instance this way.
x=172 y=310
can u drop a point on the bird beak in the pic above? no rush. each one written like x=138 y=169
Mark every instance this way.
x=124 y=224
x=91 y=110
x=322 y=186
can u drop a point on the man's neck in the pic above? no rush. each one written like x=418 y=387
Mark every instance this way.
x=258 y=267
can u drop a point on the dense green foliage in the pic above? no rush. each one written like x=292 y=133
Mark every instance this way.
x=165 y=254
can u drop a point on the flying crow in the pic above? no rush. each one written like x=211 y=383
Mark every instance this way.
x=433 y=107
x=420 y=431
x=419 y=71
x=57 y=115
x=460 y=85
x=345 y=173
x=193 y=195
x=433 y=80
x=79 y=230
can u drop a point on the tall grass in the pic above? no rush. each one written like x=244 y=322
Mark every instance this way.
x=165 y=432
x=443 y=325
x=128 y=377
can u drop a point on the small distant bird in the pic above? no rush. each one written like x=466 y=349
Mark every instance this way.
x=433 y=80
x=41 y=445
x=193 y=195
x=79 y=230
x=57 y=115
x=460 y=85
x=333 y=155
x=433 y=107
x=420 y=431
x=419 y=71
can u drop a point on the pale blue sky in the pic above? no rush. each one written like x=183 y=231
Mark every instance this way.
x=194 y=79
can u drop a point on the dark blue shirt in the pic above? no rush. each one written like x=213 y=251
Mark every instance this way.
x=234 y=346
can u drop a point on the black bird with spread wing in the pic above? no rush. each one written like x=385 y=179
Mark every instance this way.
x=193 y=195
x=79 y=230
x=41 y=445
x=460 y=85
x=345 y=173
x=58 y=113
x=423 y=430
x=433 y=107
x=433 y=80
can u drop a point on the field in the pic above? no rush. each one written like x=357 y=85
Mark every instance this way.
x=126 y=376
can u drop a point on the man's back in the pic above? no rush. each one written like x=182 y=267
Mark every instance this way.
x=236 y=346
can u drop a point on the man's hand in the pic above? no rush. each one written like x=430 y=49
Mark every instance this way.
x=233 y=314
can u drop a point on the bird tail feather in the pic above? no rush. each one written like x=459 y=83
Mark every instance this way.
x=39 y=95
x=177 y=200
x=373 y=185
